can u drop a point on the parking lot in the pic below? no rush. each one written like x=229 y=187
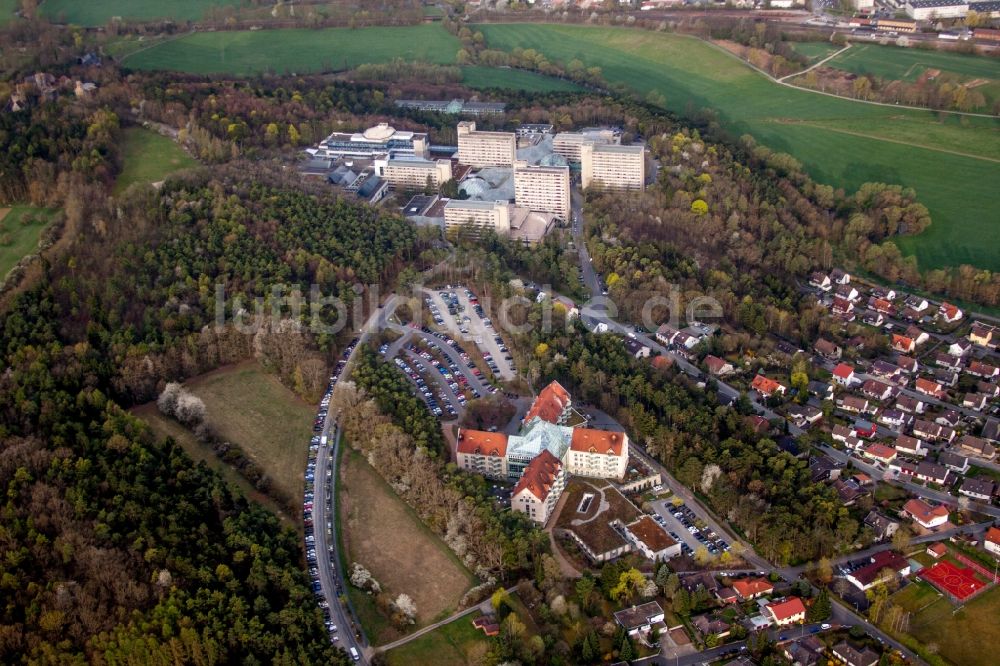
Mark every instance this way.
x=459 y=311
x=680 y=522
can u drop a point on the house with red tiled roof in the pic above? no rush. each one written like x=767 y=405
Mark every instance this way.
x=597 y=453
x=787 y=611
x=843 y=374
x=539 y=487
x=767 y=387
x=751 y=588
x=937 y=550
x=901 y=343
x=718 y=366
x=929 y=387
x=880 y=453
x=877 y=390
x=985 y=370
x=991 y=542
x=950 y=313
x=924 y=515
x=874 y=572
x=553 y=404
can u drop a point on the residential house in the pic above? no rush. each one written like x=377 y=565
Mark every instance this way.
x=884 y=292
x=960 y=348
x=821 y=281
x=909 y=404
x=948 y=417
x=823 y=468
x=937 y=550
x=954 y=462
x=879 y=453
x=717 y=366
x=767 y=387
x=875 y=319
x=727 y=595
x=636 y=349
x=757 y=424
x=847 y=292
x=838 y=276
x=929 y=387
x=886 y=370
x=841 y=433
x=843 y=374
x=980 y=489
x=919 y=337
x=639 y=621
x=933 y=473
x=751 y=588
x=984 y=370
x=945 y=377
x=855 y=404
x=981 y=334
x=821 y=390
x=866 y=429
x=787 y=611
x=976 y=401
x=946 y=360
x=805 y=415
x=925 y=515
x=843 y=307
x=692 y=582
x=849 y=655
x=908 y=364
x=904 y=468
x=950 y=313
x=988 y=389
x=652 y=540
x=991 y=542
x=976 y=446
x=928 y=430
x=896 y=419
x=917 y=303
x=881 y=306
x=806 y=651
x=903 y=344
x=666 y=334
x=848 y=491
x=910 y=446
x=881 y=526
x=710 y=624
x=991 y=431
x=875 y=572
x=877 y=390
x=827 y=349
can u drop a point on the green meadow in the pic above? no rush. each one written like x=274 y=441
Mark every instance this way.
x=99 y=12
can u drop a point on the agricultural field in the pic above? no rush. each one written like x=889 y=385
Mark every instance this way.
x=149 y=157
x=7 y=9
x=959 y=636
x=514 y=79
x=248 y=406
x=815 y=51
x=386 y=536
x=295 y=50
x=18 y=238
x=952 y=162
x=165 y=426
x=99 y=12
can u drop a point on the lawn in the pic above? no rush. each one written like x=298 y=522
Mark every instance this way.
x=515 y=79
x=952 y=163
x=149 y=157
x=167 y=427
x=385 y=535
x=815 y=50
x=249 y=407
x=907 y=64
x=296 y=50
x=17 y=239
x=960 y=637
x=7 y=8
x=99 y=12
x=457 y=643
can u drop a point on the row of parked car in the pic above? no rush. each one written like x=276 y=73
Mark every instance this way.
x=432 y=399
x=318 y=440
x=706 y=536
x=464 y=355
x=452 y=374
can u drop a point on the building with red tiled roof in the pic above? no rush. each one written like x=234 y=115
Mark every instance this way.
x=597 y=453
x=751 y=588
x=874 y=572
x=937 y=549
x=553 y=404
x=880 y=452
x=767 y=387
x=651 y=539
x=539 y=487
x=929 y=387
x=482 y=452
x=718 y=366
x=787 y=611
x=843 y=374
x=991 y=542
x=902 y=343
x=925 y=515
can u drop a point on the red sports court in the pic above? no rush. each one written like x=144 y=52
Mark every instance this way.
x=960 y=583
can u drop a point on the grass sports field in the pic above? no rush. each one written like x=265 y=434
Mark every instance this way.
x=149 y=158
x=815 y=50
x=18 y=239
x=385 y=535
x=514 y=79
x=296 y=50
x=953 y=163
x=166 y=427
x=249 y=406
x=959 y=637
x=891 y=62
x=99 y=12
